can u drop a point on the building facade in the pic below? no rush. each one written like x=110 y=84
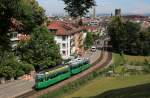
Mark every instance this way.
x=117 y=12
x=68 y=37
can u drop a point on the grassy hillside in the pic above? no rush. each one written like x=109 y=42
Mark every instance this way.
x=118 y=59
x=100 y=85
x=139 y=91
x=137 y=58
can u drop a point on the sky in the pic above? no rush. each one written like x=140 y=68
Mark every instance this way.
x=53 y=7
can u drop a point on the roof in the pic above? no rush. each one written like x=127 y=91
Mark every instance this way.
x=64 y=28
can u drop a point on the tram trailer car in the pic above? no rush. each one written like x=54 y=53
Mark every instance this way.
x=46 y=79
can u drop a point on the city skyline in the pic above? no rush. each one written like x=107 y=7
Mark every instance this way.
x=103 y=6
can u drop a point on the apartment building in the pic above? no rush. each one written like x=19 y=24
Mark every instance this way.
x=68 y=37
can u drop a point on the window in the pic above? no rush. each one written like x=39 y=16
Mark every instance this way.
x=63 y=38
x=13 y=34
x=40 y=80
x=86 y=62
x=64 y=45
x=76 y=66
x=64 y=52
x=53 y=30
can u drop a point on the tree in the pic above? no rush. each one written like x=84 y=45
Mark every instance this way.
x=89 y=40
x=8 y=10
x=144 y=43
x=96 y=36
x=77 y=8
x=148 y=29
x=9 y=65
x=117 y=32
x=32 y=15
x=128 y=38
x=41 y=50
x=19 y=16
x=39 y=12
x=25 y=13
x=132 y=30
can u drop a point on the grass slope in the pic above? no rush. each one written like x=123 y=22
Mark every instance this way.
x=137 y=58
x=139 y=91
x=101 y=85
x=118 y=59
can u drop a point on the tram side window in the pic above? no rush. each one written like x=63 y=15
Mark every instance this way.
x=76 y=66
x=57 y=74
x=86 y=62
x=51 y=76
x=63 y=72
x=80 y=64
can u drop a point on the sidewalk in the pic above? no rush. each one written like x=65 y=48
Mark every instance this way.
x=17 y=87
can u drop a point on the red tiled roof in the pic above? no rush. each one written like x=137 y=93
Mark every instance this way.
x=63 y=28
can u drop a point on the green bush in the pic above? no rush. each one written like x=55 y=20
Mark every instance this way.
x=7 y=72
x=19 y=73
x=27 y=68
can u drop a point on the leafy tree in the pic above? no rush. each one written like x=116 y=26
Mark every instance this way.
x=19 y=16
x=7 y=71
x=41 y=50
x=127 y=37
x=77 y=8
x=148 y=29
x=89 y=40
x=132 y=34
x=19 y=73
x=38 y=12
x=8 y=9
x=26 y=13
x=9 y=66
x=27 y=68
x=117 y=33
x=32 y=15
x=96 y=36
x=144 y=43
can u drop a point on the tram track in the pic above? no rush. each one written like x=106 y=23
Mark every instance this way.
x=103 y=60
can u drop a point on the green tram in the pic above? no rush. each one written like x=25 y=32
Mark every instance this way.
x=53 y=76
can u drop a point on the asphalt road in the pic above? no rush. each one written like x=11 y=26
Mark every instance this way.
x=93 y=56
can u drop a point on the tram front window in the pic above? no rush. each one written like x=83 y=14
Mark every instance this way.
x=39 y=78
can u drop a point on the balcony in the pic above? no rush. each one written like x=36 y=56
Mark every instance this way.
x=72 y=44
x=14 y=39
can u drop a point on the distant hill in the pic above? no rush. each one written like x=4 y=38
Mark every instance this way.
x=103 y=14
x=147 y=14
x=106 y=14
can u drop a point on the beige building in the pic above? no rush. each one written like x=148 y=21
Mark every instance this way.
x=68 y=37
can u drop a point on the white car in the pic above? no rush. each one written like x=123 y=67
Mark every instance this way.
x=93 y=48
